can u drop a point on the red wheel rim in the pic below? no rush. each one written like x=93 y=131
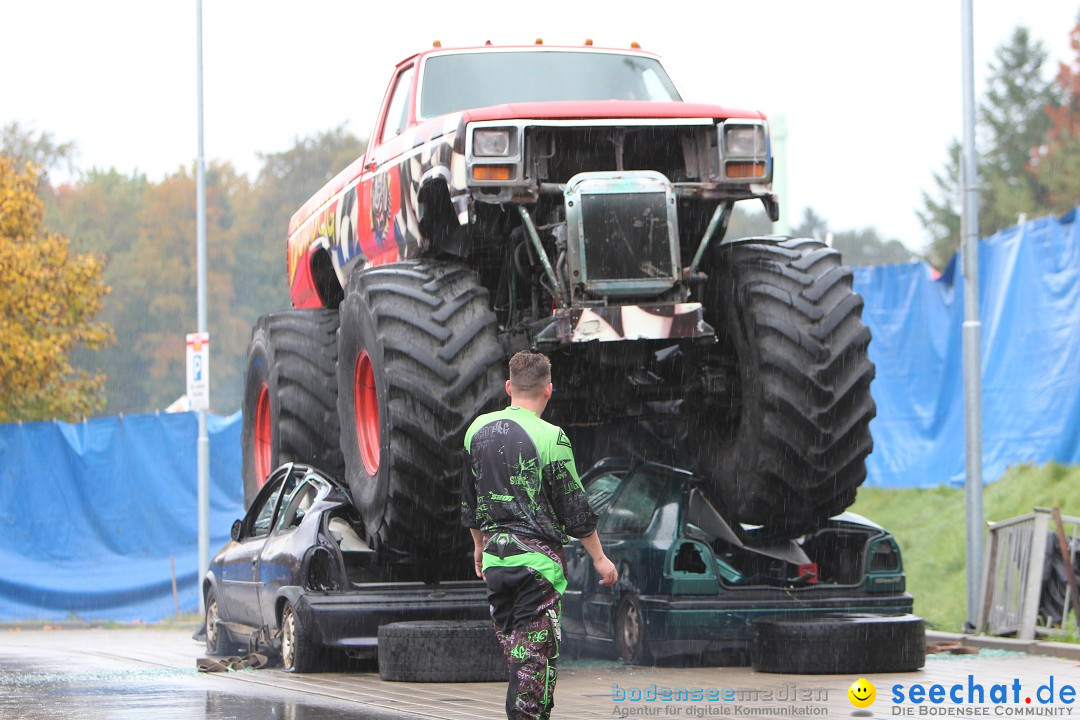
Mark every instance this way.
x=262 y=435
x=366 y=410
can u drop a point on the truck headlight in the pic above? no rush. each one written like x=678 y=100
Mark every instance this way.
x=742 y=140
x=491 y=143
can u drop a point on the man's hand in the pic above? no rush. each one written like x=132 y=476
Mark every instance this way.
x=478 y=551
x=478 y=560
x=606 y=570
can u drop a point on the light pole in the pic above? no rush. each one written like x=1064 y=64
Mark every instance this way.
x=972 y=337
x=200 y=215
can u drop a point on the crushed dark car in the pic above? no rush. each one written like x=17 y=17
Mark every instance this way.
x=692 y=583
x=297 y=578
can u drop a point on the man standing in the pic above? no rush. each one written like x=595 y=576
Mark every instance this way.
x=521 y=499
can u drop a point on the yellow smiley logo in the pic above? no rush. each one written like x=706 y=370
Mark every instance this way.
x=862 y=693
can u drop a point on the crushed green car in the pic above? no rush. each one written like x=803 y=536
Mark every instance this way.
x=694 y=584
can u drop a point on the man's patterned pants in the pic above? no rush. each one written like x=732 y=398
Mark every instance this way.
x=527 y=612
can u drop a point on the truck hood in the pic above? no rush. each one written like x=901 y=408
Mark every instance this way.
x=595 y=109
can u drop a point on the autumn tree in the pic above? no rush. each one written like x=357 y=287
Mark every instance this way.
x=162 y=286
x=103 y=210
x=1056 y=162
x=50 y=297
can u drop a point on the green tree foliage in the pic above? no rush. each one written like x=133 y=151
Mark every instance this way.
x=867 y=247
x=857 y=247
x=38 y=149
x=1012 y=119
x=50 y=297
x=748 y=220
x=286 y=180
x=1056 y=163
x=812 y=226
x=940 y=216
x=104 y=211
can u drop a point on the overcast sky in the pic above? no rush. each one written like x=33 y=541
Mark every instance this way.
x=870 y=90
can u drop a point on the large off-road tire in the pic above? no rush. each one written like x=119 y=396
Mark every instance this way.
x=441 y=651
x=290 y=396
x=843 y=644
x=791 y=448
x=418 y=361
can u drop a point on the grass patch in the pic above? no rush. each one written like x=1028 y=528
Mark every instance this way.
x=929 y=525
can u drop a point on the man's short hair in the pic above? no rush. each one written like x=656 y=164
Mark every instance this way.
x=530 y=373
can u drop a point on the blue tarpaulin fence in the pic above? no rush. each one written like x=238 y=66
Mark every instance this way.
x=91 y=513
x=1030 y=310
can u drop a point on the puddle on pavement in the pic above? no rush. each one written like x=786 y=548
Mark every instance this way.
x=34 y=693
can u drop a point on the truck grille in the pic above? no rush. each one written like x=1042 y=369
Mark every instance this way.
x=626 y=236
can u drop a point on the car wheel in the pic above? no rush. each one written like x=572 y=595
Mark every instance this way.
x=840 y=644
x=441 y=651
x=218 y=639
x=630 y=633
x=298 y=653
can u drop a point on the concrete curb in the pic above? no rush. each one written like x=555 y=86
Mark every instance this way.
x=1069 y=651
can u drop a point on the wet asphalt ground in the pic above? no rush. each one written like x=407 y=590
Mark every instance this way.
x=150 y=674
x=141 y=675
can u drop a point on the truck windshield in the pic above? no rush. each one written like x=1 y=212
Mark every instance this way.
x=460 y=81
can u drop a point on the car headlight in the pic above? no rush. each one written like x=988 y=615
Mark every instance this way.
x=491 y=143
x=743 y=140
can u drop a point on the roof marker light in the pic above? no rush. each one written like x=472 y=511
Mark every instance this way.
x=437 y=43
x=588 y=42
x=636 y=45
x=539 y=41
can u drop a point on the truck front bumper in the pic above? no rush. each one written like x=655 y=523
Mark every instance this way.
x=660 y=321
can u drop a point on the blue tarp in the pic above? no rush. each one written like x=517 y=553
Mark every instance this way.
x=92 y=513
x=1029 y=279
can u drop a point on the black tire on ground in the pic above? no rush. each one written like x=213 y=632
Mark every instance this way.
x=441 y=651
x=852 y=644
x=630 y=633
x=418 y=361
x=792 y=447
x=218 y=639
x=290 y=396
x=298 y=653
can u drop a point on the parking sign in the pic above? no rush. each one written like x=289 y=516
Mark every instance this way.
x=198 y=370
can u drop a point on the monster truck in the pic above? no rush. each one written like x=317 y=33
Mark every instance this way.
x=567 y=200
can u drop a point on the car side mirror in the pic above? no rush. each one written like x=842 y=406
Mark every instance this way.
x=235 y=533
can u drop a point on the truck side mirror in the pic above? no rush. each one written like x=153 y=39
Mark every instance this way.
x=235 y=532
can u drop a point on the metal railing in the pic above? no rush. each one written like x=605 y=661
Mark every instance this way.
x=1013 y=580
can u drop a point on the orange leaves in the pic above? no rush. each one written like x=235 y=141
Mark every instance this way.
x=49 y=299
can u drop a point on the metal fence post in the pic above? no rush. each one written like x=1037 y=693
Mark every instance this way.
x=1033 y=577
